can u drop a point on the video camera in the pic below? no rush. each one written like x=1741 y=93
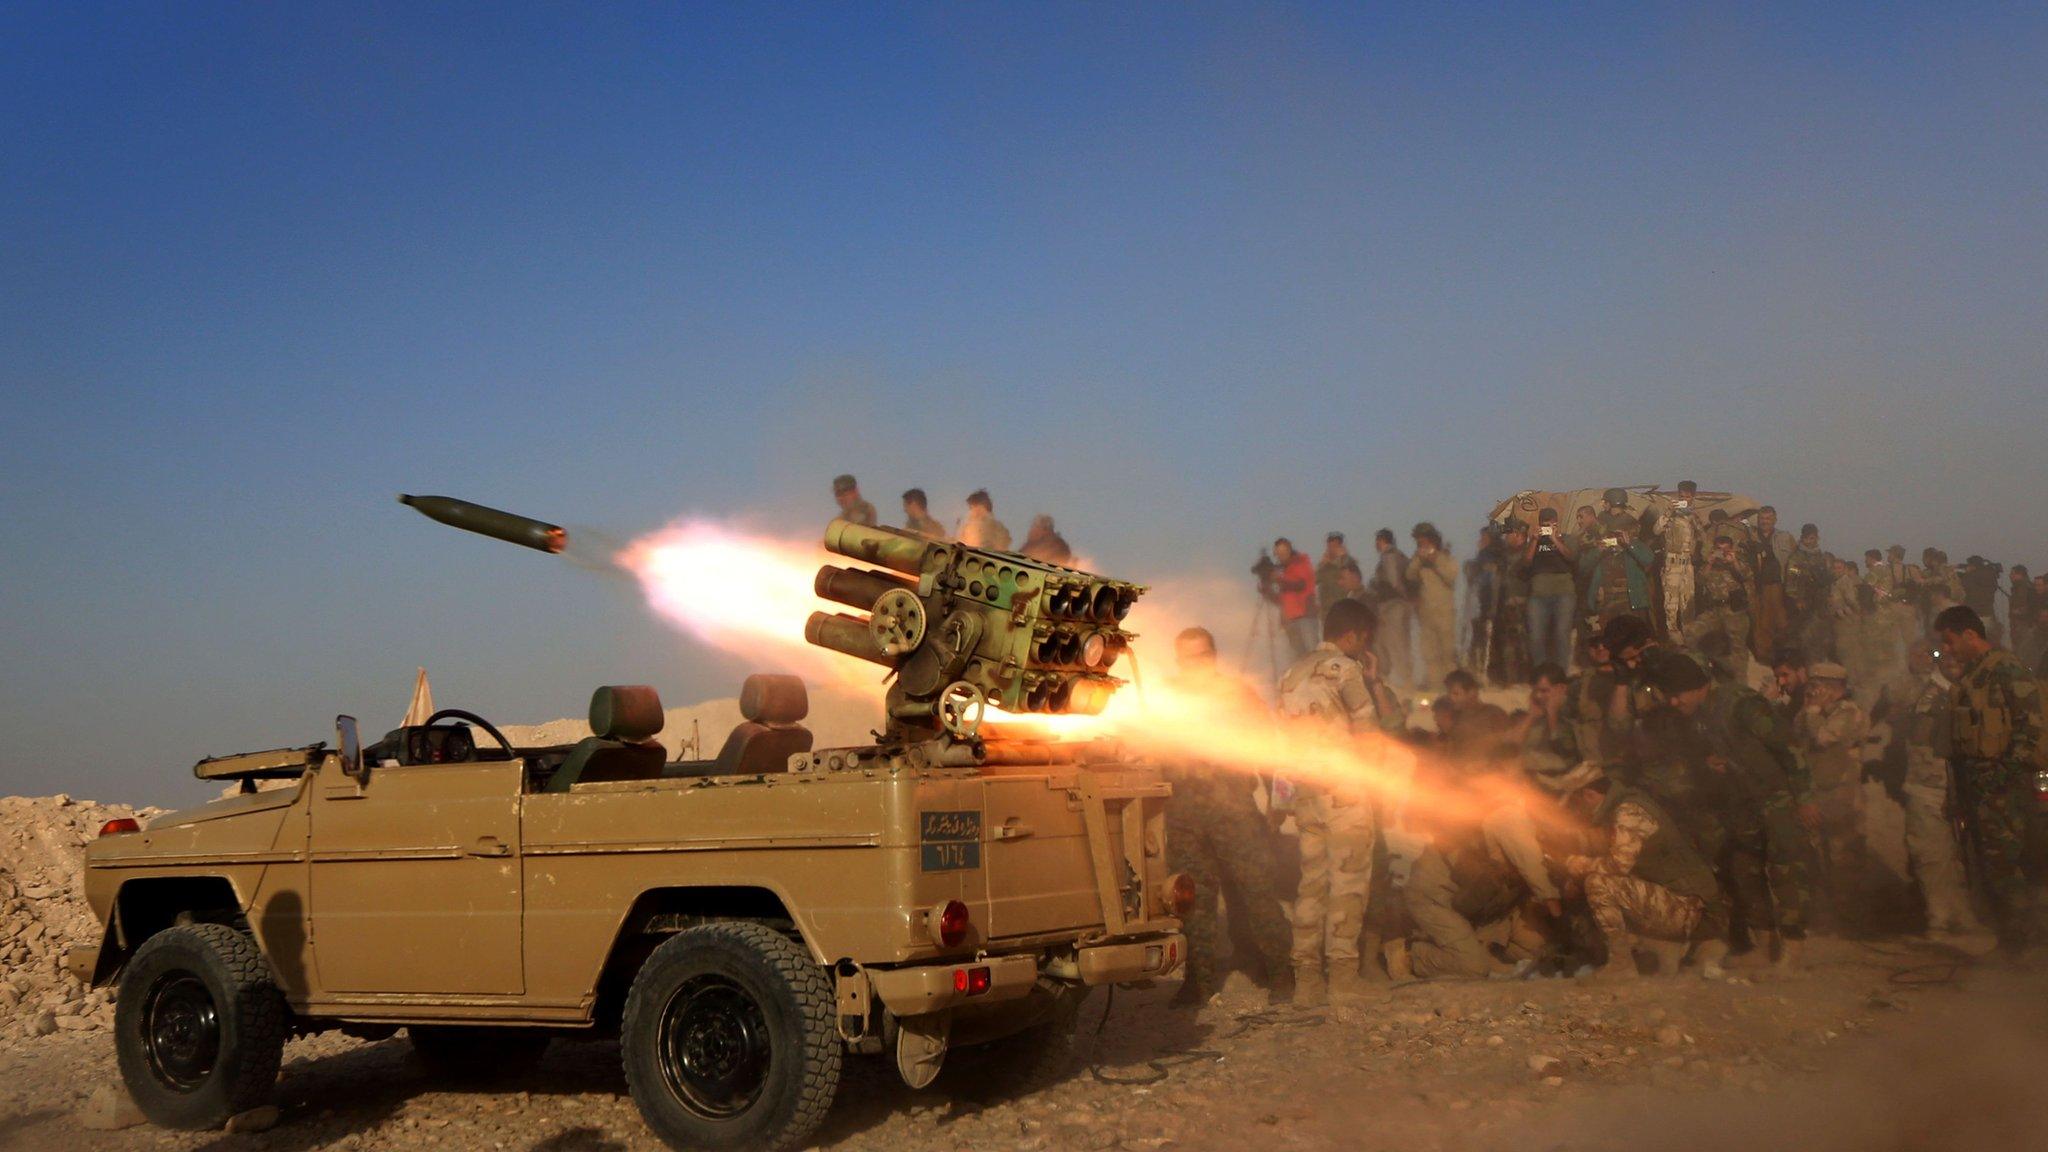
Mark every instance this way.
x=1267 y=573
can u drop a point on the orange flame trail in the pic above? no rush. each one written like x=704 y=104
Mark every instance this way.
x=750 y=594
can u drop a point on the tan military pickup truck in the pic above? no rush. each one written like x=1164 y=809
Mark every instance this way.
x=741 y=924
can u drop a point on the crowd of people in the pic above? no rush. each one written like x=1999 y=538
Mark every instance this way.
x=1716 y=707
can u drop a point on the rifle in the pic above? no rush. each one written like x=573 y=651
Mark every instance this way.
x=1965 y=831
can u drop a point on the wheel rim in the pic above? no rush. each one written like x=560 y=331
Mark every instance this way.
x=715 y=1051
x=181 y=1031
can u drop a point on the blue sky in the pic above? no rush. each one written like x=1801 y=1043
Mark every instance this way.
x=1185 y=276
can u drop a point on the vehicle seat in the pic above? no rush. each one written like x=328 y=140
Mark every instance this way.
x=770 y=732
x=625 y=718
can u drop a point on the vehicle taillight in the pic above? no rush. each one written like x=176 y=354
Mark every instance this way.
x=972 y=981
x=119 y=827
x=1180 y=894
x=2041 y=788
x=947 y=924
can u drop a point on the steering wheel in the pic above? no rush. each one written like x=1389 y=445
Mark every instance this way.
x=473 y=718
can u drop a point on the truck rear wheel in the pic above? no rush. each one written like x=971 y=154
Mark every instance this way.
x=476 y=1055
x=199 y=1026
x=728 y=1039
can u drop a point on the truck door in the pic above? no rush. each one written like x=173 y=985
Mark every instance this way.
x=416 y=880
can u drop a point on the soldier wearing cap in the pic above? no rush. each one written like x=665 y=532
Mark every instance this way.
x=846 y=491
x=1914 y=705
x=1831 y=729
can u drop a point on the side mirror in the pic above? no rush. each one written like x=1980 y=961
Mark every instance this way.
x=351 y=744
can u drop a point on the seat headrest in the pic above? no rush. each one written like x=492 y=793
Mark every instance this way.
x=626 y=712
x=768 y=698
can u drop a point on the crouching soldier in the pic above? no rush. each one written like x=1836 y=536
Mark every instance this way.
x=1649 y=885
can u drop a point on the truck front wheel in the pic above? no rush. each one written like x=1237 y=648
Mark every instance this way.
x=199 y=1026
x=728 y=1039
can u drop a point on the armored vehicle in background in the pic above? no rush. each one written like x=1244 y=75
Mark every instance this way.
x=742 y=924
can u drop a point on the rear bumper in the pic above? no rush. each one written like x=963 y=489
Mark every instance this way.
x=922 y=988
x=82 y=961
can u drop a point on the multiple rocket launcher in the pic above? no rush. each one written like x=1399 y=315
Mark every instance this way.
x=1028 y=636
x=1023 y=635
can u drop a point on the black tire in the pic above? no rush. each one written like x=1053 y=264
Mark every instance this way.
x=467 y=1055
x=1041 y=1055
x=729 y=1040
x=199 y=1026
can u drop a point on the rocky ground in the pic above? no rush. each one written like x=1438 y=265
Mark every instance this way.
x=1899 y=1045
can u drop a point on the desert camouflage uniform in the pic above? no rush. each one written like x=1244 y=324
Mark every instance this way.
x=1336 y=822
x=1764 y=854
x=1832 y=741
x=1917 y=708
x=1651 y=881
x=1996 y=733
x=1681 y=539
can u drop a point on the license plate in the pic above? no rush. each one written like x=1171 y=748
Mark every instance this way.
x=949 y=841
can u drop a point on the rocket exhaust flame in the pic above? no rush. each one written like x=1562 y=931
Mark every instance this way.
x=751 y=595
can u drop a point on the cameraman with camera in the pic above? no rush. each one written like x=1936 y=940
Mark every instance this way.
x=1548 y=564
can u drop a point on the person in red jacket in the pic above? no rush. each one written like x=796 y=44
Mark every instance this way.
x=1295 y=583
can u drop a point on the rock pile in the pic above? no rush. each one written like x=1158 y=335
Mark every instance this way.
x=43 y=911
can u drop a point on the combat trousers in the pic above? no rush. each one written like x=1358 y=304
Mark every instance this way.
x=1679 y=583
x=1764 y=866
x=1337 y=836
x=1447 y=944
x=1225 y=847
x=1931 y=845
x=1439 y=636
x=1391 y=644
x=1996 y=796
x=1630 y=904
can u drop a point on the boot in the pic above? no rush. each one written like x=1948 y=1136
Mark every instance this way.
x=1759 y=954
x=1669 y=953
x=1708 y=956
x=1347 y=986
x=1310 y=991
x=1788 y=955
x=1621 y=959
x=1399 y=968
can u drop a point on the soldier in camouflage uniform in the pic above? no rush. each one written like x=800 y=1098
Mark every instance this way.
x=846 y=493
x=1764 y=851
x=1723 y=604
x=1995 y=749
x=1679 y=546
x=1830 y=730
x=1808 y=577
x=1650 y=885
x=1509 y=660
x=1915 y=706
x=1216 y=834
x=1335 y=685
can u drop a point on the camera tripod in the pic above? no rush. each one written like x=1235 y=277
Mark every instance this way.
x=1265 y=626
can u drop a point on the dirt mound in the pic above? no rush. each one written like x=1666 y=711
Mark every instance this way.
x=42 y=911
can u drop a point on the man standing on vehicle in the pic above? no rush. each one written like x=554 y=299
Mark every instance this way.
x=1216 y=834
x=1432 y=585
x=1995 y=749
x=1329 y=568
x=1336 y=693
